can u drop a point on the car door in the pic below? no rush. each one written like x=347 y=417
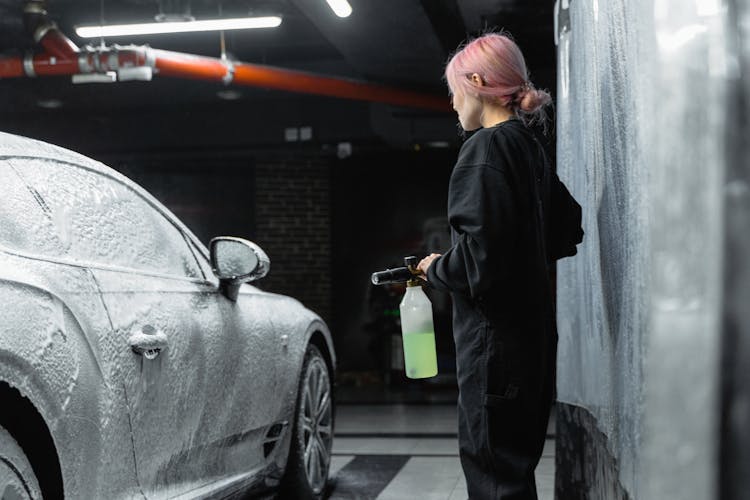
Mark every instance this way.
x=217 y=364
x=154 y=291
x=249 y=402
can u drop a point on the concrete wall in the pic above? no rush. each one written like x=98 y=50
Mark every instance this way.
x=642 y=142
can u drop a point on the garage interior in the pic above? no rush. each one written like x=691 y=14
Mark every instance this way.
x=334 y=188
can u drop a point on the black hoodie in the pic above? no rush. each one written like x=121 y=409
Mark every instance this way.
x=506 y=232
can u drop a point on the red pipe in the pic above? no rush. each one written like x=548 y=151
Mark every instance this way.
x=255 y=75
x=11 y=67
x=48 y=65
x=297 y=81
x=57 y=44
x=190 y=66
x=181 y=65
x=106 y=60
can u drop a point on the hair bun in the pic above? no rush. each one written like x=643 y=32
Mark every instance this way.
x=533 y=100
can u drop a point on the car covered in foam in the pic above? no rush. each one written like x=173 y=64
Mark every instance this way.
x=134 y=361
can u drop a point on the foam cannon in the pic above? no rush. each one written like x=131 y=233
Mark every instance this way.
x=417 y=327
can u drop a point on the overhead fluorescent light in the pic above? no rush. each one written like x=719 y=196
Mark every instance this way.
x=240 y=23
x=340 y=7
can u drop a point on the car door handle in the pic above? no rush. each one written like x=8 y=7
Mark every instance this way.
x=149 y=342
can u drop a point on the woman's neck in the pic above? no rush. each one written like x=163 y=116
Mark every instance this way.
x=492 y=114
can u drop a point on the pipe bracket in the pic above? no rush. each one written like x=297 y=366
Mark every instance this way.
x=28 y=65
x=150 y=57
x=113 y=62
x=229 y=76
x=83 y=62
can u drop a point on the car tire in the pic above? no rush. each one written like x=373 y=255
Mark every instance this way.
x=309 y=460
x=17 y=478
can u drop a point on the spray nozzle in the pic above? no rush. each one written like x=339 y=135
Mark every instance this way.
x=398 y=275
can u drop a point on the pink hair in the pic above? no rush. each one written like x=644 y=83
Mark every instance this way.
x=499 y=62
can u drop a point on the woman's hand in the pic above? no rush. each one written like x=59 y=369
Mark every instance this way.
x=425 y=263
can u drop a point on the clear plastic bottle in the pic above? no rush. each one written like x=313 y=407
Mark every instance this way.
x=418 y=333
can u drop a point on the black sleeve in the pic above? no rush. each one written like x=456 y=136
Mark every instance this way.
x=482 y=211
x=565 y=219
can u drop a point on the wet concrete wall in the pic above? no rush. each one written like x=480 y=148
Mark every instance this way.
x=643 y=93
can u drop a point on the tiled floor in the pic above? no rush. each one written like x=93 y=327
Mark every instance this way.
x=407 y=452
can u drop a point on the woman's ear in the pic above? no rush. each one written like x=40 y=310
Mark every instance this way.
x=477 y=80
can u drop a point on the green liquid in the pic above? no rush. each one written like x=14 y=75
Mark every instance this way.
x=419 y=355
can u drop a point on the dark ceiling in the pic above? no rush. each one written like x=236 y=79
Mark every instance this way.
x=400 y=43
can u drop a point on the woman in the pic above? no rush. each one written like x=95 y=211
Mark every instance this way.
x=510 y=219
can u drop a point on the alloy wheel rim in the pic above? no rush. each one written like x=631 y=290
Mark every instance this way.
x=316 y=425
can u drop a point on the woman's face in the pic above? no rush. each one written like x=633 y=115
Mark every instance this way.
x=469 y=109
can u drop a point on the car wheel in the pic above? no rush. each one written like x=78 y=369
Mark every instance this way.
x=17 y=478
x=312 y=435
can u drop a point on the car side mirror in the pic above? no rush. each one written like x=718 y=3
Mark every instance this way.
x=236 y=261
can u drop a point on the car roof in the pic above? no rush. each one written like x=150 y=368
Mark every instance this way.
x=17 y=146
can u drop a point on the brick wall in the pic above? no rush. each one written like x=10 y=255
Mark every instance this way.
x=293 y=226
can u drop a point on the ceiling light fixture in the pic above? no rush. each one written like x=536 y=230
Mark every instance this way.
x=240 y=23
x=340 y=7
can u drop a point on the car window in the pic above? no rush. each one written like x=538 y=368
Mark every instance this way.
x=25 y=222
x=202 y=260
x=101 y=221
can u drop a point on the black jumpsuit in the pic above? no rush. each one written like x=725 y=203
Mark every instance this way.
x=497 y=272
